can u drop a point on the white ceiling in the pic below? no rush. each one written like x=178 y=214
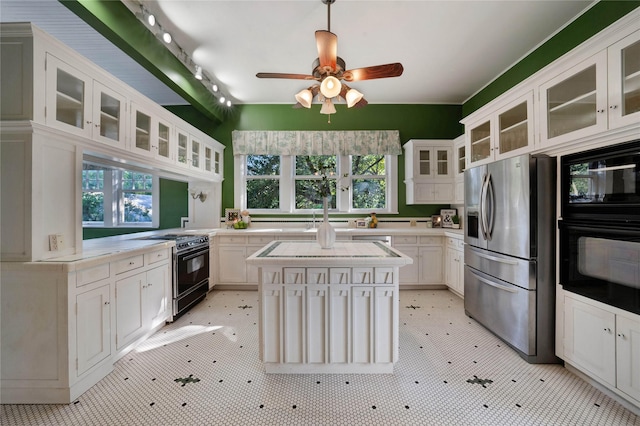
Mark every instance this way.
x=450 y=49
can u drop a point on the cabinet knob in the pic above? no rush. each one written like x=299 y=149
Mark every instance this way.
x=608 y=330
x=600 y=111
x=149 y=285
x=621 y=335
x=106 y=303
x=132 y=263
x=613 y=106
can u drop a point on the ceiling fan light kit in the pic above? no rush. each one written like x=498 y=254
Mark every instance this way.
x=330 y=71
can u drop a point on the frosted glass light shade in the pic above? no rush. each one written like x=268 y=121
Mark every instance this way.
x=327 y=107
x=330 y=87
x=353 y=97
x=304 y=97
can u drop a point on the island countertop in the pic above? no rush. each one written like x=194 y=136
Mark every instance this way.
x=343 y=253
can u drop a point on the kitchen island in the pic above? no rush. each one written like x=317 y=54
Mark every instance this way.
x=328 y=310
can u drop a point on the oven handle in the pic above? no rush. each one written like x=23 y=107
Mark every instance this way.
x=192 y=254
x=492 y=284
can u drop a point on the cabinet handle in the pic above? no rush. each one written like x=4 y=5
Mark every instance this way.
x=600 y=111
x=149 y=285
x=132 y=263
x=621 y=335
x=608 y=330
x=106 y=303
x=613 y=106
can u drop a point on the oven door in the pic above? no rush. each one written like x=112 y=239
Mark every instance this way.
x=192 y=270
x=601 y=262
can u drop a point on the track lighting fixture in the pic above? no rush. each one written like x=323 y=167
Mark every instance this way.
x=156 y=28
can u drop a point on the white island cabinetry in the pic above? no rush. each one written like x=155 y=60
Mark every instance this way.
x=328 y=310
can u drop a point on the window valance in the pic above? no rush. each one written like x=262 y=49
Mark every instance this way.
x=357 y=142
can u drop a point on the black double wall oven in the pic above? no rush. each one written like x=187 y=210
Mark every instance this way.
x=600 y=226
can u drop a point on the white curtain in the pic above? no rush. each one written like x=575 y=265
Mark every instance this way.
x=361 y=142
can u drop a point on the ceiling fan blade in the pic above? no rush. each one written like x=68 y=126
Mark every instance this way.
x=327 y=48
x=284 y=75
x=377 y=71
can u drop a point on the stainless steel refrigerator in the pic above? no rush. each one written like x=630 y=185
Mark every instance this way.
x=509 y=273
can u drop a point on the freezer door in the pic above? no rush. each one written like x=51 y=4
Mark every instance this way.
x=507 y=207
x=474 y=179
x=505 y=309
x=520 y=272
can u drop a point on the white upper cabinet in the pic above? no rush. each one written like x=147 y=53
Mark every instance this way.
x=601 y=93
x=78 y=104
x=429 y=171
x=460 y=160
x=151 y=135
x=507 y=132
x=624 y=81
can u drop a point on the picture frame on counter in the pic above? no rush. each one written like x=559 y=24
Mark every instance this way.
x=361 y=223
x=436 y=221
x=231 y=216
x=447 y=215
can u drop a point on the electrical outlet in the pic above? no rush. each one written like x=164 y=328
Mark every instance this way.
x=55 y=242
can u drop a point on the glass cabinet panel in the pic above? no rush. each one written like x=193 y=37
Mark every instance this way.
x=424 y=162
x=143 y=131
x=110 y=120
x=631 y=79
x=443 y=162
x=195 y=154
x=207 y=158
x=571 y=104
x=513 y=131
x=163 y=140
x=461 y=159
x=70 y=99
x=183 y=143
x=481 y=141
x=216 y=162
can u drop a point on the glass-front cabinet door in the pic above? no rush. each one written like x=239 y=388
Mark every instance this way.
x=163 y=141
x=480 y=142
x=624 y=81
x=142 y=136
x=68 y=98
x=196 y=147
x=574 y=104
x=432 y=162
x=183 y=147
x=514 y=128
x=208 y=159
x=108 y=115
x=216 y=162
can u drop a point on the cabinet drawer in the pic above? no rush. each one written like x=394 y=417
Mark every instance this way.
x=129 y=264
x=405 y=239
x=431 y=240
x=91 y=275
x=261 y=239
x=455 y=243
x=156 y=256
x=232 y=239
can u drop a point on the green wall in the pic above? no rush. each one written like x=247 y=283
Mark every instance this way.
x=173 y=206
x=413 y=122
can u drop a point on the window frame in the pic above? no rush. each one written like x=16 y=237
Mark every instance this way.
x=344 y=199
x=113 y=201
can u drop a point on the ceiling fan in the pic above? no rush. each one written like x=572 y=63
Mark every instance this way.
x=329 y=70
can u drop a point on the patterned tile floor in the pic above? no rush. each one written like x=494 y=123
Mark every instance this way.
x=204 y=370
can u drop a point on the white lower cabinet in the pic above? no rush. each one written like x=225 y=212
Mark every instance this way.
x=455 y=265
x=93 y=327
x=604 y=344
x=427 y=253
x=141 y=304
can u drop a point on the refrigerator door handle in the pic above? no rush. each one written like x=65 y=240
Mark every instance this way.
x=492 y=284
x=492 y=207
x=495 y=259
x=481 y=207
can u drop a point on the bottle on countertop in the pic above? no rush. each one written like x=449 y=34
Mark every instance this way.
x=374 y=221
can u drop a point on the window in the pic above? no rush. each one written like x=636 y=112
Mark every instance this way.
x=294 y=184
x=113 y=197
